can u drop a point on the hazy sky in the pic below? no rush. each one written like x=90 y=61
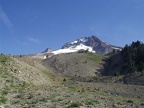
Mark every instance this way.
x=30 y=26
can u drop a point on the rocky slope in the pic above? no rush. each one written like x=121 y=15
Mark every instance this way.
x=78 y=65
x=26 y=83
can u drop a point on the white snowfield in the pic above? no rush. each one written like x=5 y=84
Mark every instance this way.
x=78 y=41
x=77 y=48
x=73 y=49
x=116 y=48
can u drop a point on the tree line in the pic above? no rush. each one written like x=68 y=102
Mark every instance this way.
x=133 y=55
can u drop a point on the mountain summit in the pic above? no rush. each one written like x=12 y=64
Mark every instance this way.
x=48 y=50
x=93 y=44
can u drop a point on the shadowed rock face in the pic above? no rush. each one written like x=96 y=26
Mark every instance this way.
x=48 y=50
x=99 y=46
x=94 y=42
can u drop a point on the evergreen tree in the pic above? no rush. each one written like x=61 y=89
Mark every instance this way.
x=134 y=56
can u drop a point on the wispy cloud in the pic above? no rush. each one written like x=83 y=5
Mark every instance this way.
x=34 y=40
x=4 y=18
x=29 y=41
x=22 y=43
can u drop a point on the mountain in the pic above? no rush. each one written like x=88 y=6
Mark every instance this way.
x=92 y=44
x=48 y=50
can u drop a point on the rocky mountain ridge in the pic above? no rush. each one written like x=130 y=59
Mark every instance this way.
x=48 y=50
x=97 y=45
x=92 y=44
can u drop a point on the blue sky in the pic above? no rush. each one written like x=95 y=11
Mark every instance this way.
x=30 y=26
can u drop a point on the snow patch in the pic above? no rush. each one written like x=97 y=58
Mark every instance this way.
x=107 y=44
x=116 y=48
x=82 y=40
x=74 y=49
x=60 y=51
x=74 y=42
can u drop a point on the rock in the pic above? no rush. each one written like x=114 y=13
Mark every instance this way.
x=118 y=103
x=142 y=104
x=1 y=107
x=78 y=91
x=26 y=105
x=109 y=93
x=115 y=105
x=130 y=101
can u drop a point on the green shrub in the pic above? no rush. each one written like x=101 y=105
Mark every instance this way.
x=60 y=99
x=64 y=80
x=117 y=74
x=76 y=104
x=4 y=92
x=95 y=57
x=44 y=100
x=82 y=90
x=142 y=73
x=4 y=58
x=3 y=100
x=92 y=102
x=85 y=61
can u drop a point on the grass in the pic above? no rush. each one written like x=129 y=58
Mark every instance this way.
x=95 y=57
x=92 y=102
x=60 y=99
x=4 y=73
x=64 y=102
x=72 y=88
x=4 y=58
x=44 y=100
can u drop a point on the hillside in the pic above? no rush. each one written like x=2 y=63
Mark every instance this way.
x=79 y=65
x=21 y=79
x=80 y=79
x=26 y=83
x=128 y=63
x=115 y=66
x=85 y=66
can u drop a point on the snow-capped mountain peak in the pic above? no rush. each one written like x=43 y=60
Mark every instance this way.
x=75 y=43
x=92 y=44
x=74 y=48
